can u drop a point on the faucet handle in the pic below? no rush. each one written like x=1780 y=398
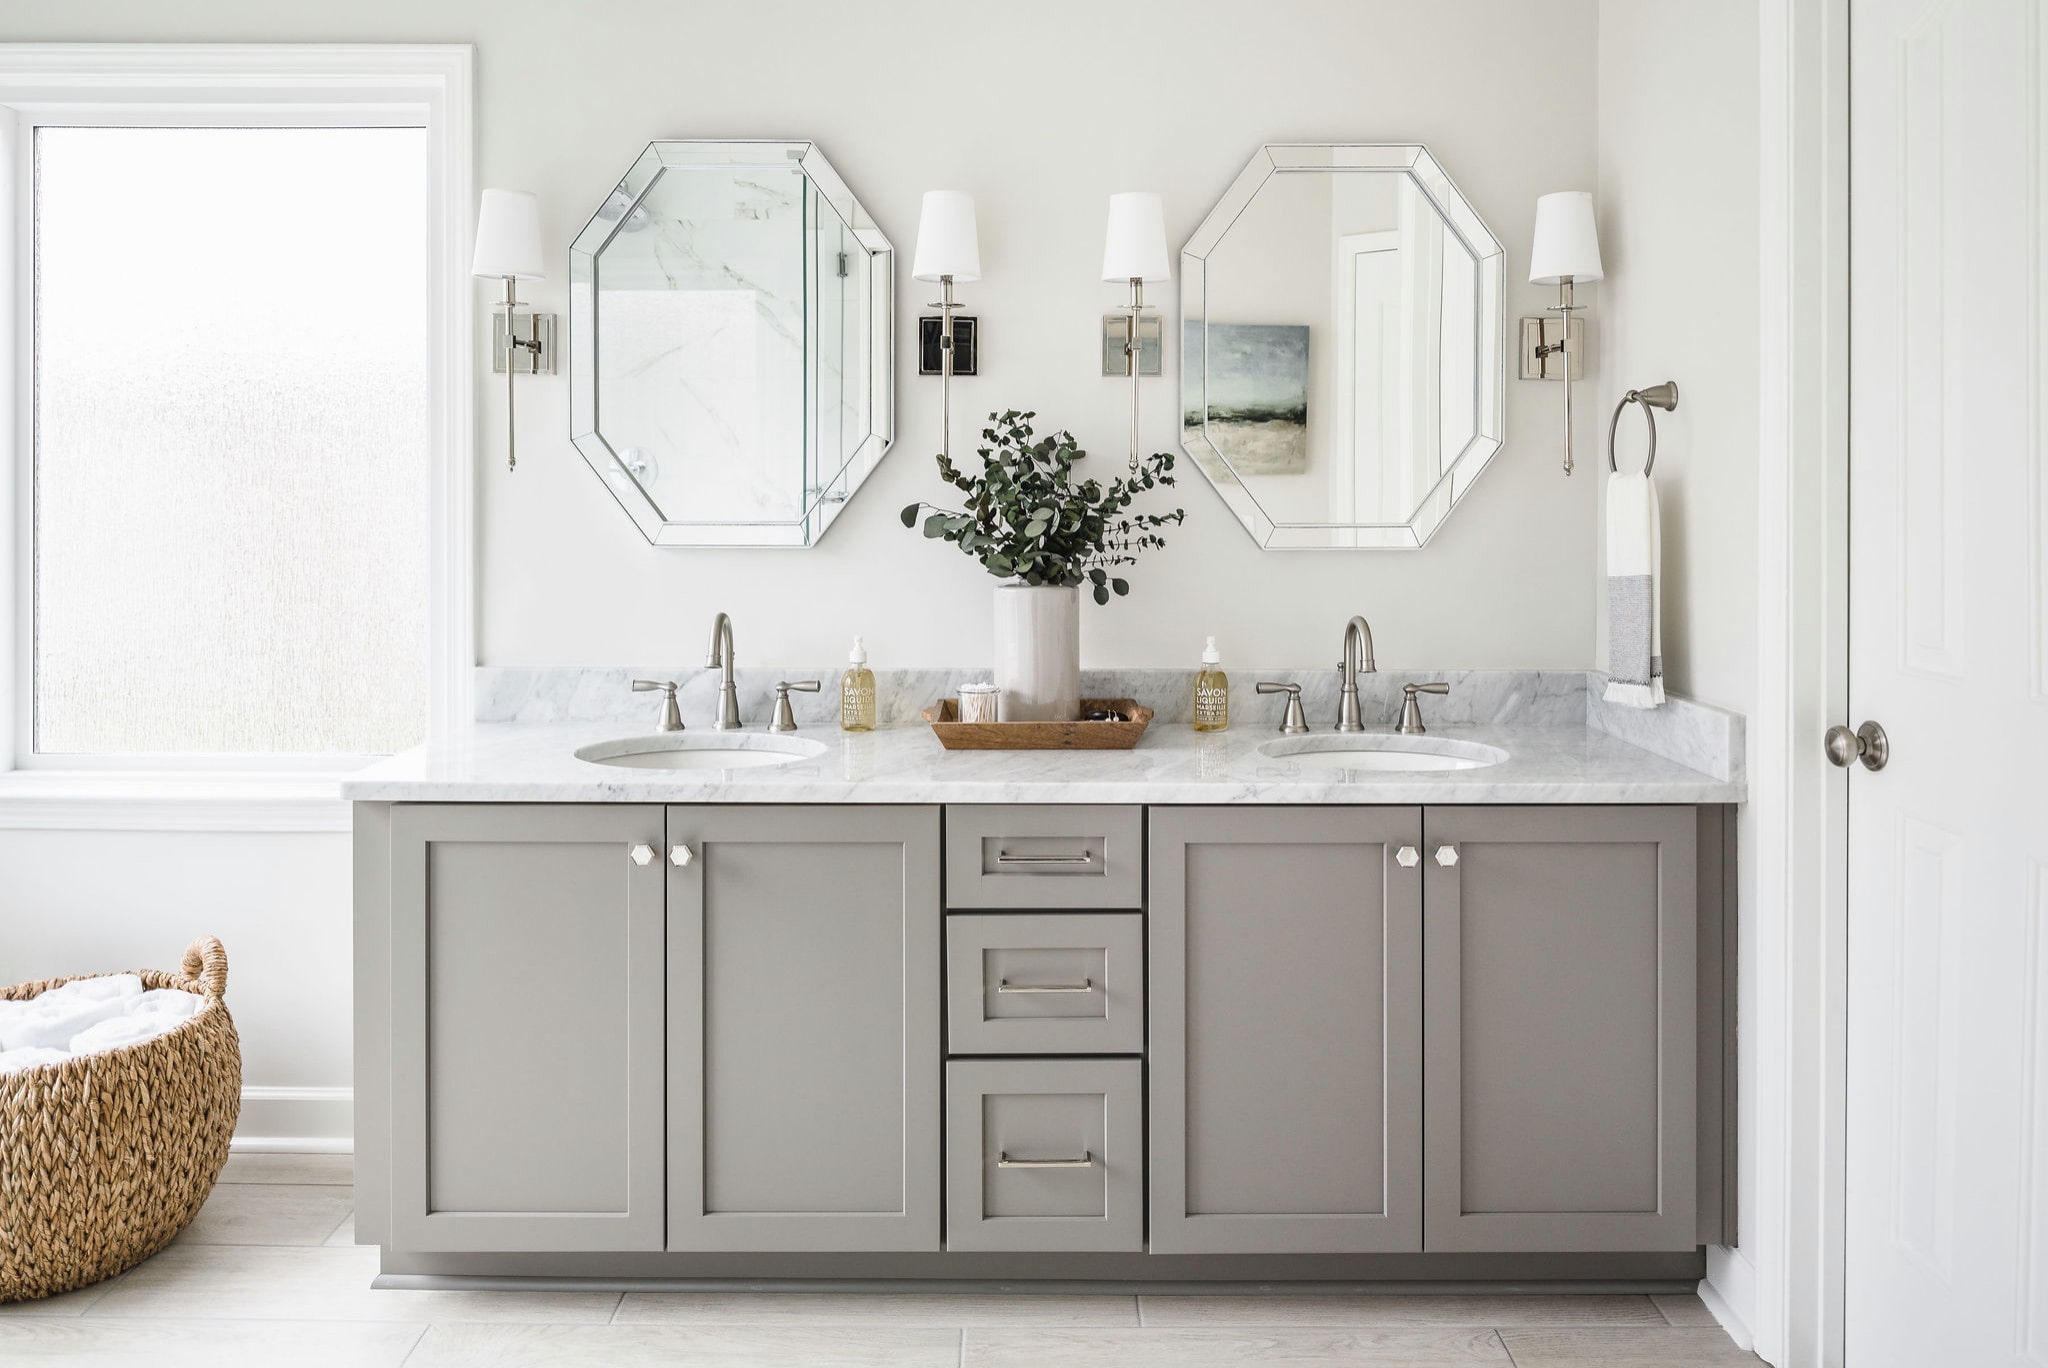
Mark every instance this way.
x=1295 y=722
x=1411 y=712
x=671 y=715
x=785 y=719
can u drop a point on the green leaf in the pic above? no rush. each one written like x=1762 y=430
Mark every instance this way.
x=910 y=515
x=935 y=525
x=1101 y=594
x=1122 y=587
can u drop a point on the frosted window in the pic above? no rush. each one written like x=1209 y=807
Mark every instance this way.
x=230 y=497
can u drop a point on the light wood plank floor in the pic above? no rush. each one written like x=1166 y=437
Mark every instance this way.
x=267 y=1276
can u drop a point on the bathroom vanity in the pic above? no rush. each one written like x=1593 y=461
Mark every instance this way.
x=1191 y=1012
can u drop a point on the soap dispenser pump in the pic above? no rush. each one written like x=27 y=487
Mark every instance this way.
x=1212 y=692
x=857 y=691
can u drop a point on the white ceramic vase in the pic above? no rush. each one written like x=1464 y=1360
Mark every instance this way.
x=1038 y=652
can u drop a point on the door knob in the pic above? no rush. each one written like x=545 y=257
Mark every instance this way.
x=680 y=855
x=1867 y=743
x=1446 y=855
x=641 y=854
x=1407 y=857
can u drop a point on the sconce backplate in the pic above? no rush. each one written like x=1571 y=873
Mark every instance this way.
x=1151 y=348
x=1545 y=332
x=966 y=354
x=529 y=325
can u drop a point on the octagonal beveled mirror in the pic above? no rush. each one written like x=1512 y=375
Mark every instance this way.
x=1343 y=346
x=731 y=343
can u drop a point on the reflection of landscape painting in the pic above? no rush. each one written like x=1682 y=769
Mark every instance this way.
x=1258 y=395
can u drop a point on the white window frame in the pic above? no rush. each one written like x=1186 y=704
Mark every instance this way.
x=326 y=85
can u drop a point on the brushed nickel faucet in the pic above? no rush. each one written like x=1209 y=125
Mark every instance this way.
x=1411 y=711
x=671 y=716
x=1357 y=634
x=721 y=659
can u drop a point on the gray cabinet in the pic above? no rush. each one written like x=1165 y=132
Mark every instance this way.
x=1286 y=1030
x=803 y=1028
x=526 y=1013
x=1560 y=1058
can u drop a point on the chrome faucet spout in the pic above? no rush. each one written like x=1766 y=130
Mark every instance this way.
x=1357 y=641
x=721 y=658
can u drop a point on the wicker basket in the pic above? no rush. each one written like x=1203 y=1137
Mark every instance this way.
x=105 y=1158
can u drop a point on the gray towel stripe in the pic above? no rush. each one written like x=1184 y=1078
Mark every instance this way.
x=1629 y=629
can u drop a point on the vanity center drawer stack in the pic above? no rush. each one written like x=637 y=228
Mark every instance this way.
x=1045 y=1028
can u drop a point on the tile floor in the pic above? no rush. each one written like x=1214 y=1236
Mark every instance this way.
x=267 y=1276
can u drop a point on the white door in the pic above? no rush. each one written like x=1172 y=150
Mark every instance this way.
x=1947 y=1214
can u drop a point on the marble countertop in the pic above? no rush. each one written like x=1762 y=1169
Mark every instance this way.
x=531 y=762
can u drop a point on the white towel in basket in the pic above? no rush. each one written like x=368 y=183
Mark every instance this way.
x=14 y=1061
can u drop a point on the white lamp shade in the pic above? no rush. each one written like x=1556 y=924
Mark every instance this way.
x=1567 y=244
x=508 y=236
x=947 y=244
x=1135 y=247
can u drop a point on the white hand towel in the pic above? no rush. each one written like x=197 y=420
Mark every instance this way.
x=51 y=1025
x=123 y=1030
x=14 y=1061
x=1635 y=643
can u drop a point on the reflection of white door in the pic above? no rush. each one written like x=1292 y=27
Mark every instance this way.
x=1947 y=1213
x=1369 y=381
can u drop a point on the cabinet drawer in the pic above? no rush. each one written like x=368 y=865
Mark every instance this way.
x=1044 y=1154
x=1044 y=857
x=1045 y=983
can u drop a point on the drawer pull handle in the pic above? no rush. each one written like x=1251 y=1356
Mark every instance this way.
x=1004 y=857
x=1087 y=1160
x=1084 y=986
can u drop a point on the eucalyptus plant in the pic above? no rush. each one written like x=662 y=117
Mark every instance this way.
x=1025 y=517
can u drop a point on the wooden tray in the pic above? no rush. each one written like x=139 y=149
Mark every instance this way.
x=954 y=734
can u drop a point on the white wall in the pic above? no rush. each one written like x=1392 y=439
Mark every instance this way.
x=74 y=902
x=1678 y=197
x=1036 y=121
x=1038 y=125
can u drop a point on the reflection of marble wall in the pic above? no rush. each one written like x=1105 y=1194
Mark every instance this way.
x=701 y=329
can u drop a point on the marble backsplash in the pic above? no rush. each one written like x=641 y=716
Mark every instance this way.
x=1692 y=734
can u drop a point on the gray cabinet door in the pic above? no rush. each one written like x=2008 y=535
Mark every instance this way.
x=526 y=1002
x=1285 y=955
x=1559 y=1053
x=803 y=1028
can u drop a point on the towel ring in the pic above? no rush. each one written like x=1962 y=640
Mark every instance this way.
x=1664 y=396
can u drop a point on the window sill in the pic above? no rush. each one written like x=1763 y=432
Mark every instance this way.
x=105 y=800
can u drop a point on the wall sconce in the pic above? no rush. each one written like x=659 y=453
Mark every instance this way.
x=1134 y=250
x=1566 y=251
x=508 y=249
x=948 y=250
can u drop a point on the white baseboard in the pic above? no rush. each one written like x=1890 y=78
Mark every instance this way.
x=292 y=1120
x=1729 y=1293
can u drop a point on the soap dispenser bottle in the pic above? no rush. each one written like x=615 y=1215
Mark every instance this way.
x=857 y=691
x=1212 y=693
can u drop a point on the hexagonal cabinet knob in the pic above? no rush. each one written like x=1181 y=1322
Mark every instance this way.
x=680 y=855
x=1446 y=855
x=641 y=854
x=1407 y=857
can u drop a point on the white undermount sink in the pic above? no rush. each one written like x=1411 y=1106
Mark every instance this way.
x=1382 y=752
x=700 y=751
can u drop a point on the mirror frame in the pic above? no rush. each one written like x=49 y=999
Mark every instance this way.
x=824 y=501
x=1414 y=160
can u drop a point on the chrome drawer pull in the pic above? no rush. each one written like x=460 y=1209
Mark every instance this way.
x=1087 y=1160
x=1006 y=858
x=1084 y=986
